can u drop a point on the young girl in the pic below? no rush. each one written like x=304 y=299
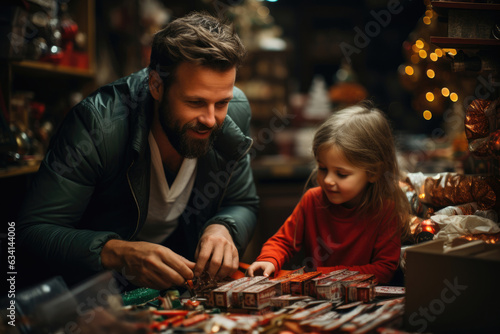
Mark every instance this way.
x=356 y=217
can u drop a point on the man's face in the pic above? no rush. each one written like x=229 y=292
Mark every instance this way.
x=194 y=108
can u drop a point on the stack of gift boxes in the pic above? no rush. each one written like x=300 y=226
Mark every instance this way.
x=261 y=293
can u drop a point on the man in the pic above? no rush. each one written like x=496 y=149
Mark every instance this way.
x=151 y=171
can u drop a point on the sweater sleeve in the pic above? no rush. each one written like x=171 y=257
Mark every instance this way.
x=385 y=253
x=281 y=247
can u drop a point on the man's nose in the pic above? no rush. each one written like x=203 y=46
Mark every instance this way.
x=207 y=118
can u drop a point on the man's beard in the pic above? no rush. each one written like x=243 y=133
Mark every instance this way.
x=185 y=145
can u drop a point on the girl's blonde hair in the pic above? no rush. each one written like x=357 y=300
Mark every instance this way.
x=364 y=135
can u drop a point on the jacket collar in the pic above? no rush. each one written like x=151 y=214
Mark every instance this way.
x=141 y=119
x=232 y=143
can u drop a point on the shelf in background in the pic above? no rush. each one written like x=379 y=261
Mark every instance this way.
x=19 y=170
x=465 y=43
x=464 y=5
x=470 y=25
x=29 y=65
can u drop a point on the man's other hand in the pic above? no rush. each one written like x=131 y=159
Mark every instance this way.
x=146 y=264
x=216 y=252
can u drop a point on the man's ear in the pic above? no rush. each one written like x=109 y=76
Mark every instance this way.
x=155 y=85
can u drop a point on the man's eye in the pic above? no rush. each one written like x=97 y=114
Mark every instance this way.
x=222 y=104
x=195 y=103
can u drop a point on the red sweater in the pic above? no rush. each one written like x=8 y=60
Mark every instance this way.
x=335 y=237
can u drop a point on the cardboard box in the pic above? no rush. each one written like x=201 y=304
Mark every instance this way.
x=330 y=291
x=332 y=288
x=259 y=296
x=237 y=292
x=286 y=279
x=358 y=278
x=322 y=279
x=299 y=285
x=222 y=296
x=360 y=291
x=449 y=293
x=286 y=300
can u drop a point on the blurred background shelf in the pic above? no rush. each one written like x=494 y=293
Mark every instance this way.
x=47 y=65
x=44 y=68
x=19 y=170
x=466 y=43
x=441 y=6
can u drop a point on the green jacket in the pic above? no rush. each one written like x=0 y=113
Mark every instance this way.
x=93 y=184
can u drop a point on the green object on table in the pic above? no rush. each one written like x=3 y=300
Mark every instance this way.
x=213 y=311
x=139 y=296
x=175 y=298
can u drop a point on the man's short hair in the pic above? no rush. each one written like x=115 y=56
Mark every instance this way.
x=198 y=38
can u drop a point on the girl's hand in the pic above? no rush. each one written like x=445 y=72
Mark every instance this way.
x=261 y=267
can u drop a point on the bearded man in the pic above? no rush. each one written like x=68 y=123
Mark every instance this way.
x=150 y=175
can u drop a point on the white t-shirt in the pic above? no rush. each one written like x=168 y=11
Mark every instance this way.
x=166 y=203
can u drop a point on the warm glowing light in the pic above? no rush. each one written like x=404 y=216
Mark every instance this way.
x=427 y=20
x=415 y=59
x=433 y=56
x=429 y=229
x=452 y=52
x=429 y=13
x=415 y=48
x=409 y=70
x=427 y=115
x=429 y=226
x=429 y=96
x=445 y=91
x=439 y=52
x=431 y=74
x=454 y=97
x=421 y=196
x=422 y=54
x=419 y=43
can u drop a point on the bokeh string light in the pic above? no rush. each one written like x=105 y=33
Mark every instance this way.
x=425 y=72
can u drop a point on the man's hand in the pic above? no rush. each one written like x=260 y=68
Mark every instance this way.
x=146 y=264
x=216 y=246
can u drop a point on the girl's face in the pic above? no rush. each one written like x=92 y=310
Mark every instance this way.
x=341 y=182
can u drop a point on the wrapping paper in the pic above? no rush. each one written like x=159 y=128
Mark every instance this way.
x=482 y=122
x=448 y=189
x=452 y=227
x=486 y=147
x=476 y=120
x=463 y=209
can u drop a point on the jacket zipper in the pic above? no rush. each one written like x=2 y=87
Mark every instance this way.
x=231 y=174
x=135 y=200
